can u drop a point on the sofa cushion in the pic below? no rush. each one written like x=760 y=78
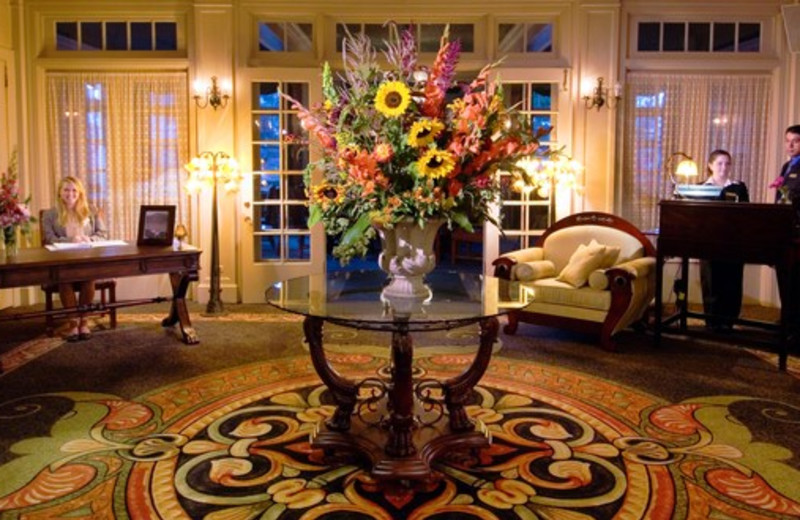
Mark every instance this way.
x=583 y=261
x=551 y=291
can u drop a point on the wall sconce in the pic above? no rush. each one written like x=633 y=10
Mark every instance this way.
x=599 y=95
x=209 y=169
x=210 y=95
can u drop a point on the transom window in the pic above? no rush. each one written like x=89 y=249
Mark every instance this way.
x=525 y=37
x=116 y=36
x=285 y=37
x=699 y=37
x=428 y=35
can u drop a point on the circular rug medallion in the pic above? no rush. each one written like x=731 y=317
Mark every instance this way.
x=235 y=445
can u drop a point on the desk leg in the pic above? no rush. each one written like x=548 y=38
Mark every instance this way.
x=178 y=312
x=659 y=310
x=343 y=390
x=682 y=299
x=458 y=389
x=401 y=397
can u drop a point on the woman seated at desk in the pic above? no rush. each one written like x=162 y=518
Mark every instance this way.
x=721 y=281
x=73 y=221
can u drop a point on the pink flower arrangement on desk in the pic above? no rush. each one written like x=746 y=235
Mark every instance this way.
x=408 y=142
x=783 y=190
x=14 y=211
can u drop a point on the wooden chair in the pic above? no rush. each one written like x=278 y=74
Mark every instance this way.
x=106 y=287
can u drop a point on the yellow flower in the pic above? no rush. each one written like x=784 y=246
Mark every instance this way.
x=435 y=163
x=326 y=192
x=392 y=99
x=424 y=131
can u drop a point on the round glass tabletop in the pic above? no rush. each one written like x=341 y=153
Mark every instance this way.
x=355 y=299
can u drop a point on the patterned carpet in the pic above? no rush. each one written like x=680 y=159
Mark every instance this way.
x=233 y=443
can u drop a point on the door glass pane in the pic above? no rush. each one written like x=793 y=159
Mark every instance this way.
x=267 y=187
x=540 y=37
x=749 y=37
x=297 y=91
x=268 y=217
x=295 y=188
x=266 y=127
x=649 y=39
x=299 y=247
x=265 y=96
x=166 y=36
x=268 y=247
x=267 y=157
x=297 y=217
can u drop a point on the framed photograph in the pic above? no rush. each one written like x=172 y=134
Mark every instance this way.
x=156 y=226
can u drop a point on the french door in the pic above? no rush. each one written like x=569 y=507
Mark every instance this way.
x=276 y=243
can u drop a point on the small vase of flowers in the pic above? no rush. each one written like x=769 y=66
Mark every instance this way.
x=408 y=143
x=15 y=214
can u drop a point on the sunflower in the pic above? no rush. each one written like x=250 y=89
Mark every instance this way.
x=424 y=131
x=327 y=193
x=435 y=163
x=392 y=99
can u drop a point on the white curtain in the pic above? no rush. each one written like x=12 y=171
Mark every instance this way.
x=694 y=114
x=125 y=135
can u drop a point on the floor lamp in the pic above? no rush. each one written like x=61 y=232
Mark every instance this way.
x=211 y=169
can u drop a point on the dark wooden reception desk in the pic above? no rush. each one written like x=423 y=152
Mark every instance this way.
x=750 y=233
x=39 y=266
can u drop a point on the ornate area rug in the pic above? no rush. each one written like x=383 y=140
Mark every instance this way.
x=234 y=444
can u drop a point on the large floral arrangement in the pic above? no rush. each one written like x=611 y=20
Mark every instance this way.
x=408 y=142
x=14 y=212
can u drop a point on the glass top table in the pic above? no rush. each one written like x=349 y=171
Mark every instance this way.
x=394 y=423
x=355 y=299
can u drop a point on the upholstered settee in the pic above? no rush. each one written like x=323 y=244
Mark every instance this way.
x=591 y=272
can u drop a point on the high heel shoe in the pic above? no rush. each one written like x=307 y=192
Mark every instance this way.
x=84 y=333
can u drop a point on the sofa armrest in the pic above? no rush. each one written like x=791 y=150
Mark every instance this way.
x=621 y=274
x=504 y=265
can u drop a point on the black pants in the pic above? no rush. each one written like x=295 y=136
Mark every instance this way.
x=722 y=291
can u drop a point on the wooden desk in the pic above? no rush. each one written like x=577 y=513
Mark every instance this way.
x=745 y=232
x=38 y=266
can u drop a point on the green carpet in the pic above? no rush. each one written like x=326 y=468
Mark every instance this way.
x=134 y=424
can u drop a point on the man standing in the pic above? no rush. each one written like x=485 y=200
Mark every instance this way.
x=791 y=169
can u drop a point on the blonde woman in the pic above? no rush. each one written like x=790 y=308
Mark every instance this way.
x=73 y=221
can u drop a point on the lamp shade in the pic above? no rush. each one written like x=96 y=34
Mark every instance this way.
x=686 y=168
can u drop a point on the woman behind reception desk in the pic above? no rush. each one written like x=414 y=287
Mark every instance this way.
x=73 y=221
x=721 y=281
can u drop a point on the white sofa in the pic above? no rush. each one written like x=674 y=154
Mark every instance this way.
x=605 y=287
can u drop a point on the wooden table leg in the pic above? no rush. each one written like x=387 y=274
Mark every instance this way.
x=401 y=396
x=458 y=389
x=343 y=390
x=179 y=312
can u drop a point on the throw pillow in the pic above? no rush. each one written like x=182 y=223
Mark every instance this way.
x=527 y=271
x=583 y=261
x=598 y=280
x=611 y=256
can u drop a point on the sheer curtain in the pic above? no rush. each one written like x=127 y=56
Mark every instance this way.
x=125 y=135
x=695 y=114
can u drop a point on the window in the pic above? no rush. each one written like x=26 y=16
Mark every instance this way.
x=694 y=114
x=116 y=36
x=698 y=37
x=285 y=37
x=525 y=38
x=428 y=35
x=141 y=163
x=280 y=155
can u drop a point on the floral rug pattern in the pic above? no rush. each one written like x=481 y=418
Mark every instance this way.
x=234 y=445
